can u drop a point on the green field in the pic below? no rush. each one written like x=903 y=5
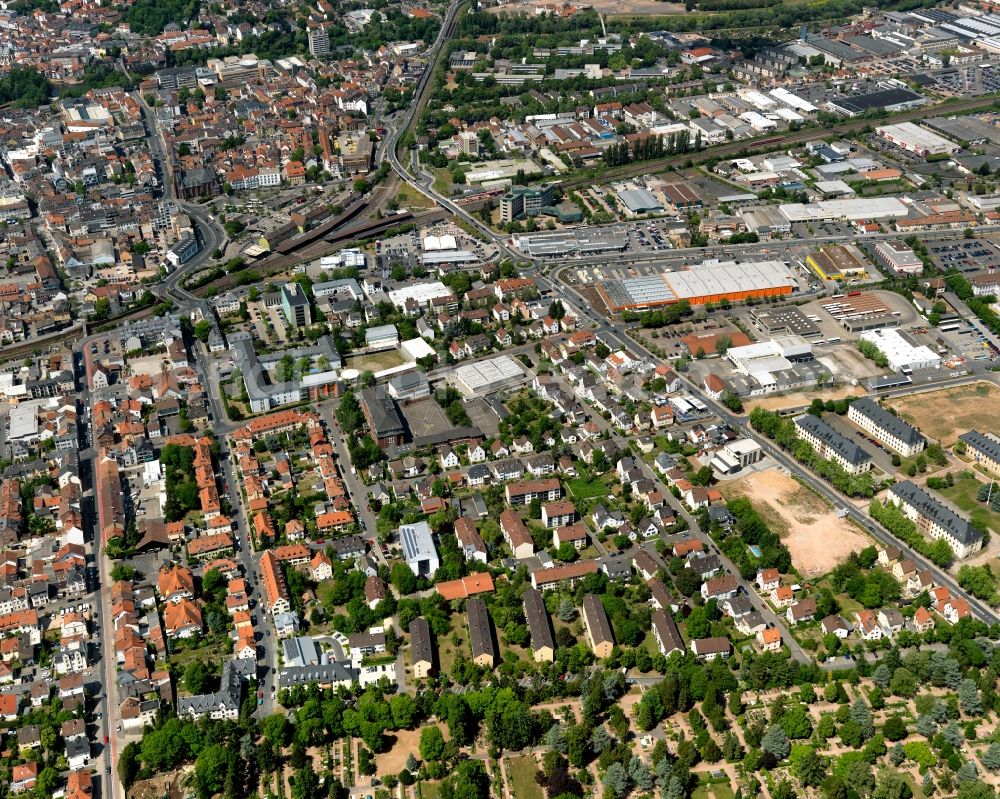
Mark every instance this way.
x=409 y=197
x=713 y=788
x=374 y=361
x=522 y=772
x=963 y=495
x=585 y=487
x=429 y=790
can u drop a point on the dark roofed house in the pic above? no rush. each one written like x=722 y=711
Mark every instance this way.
x=803 y=610
x=668 y=637
x=984 y=449
x=543 y=644
x=935 y=519
x=484 y=651
x=383 y=418
x=711 y=648
x=828 y=443
x=597 y=626
x=421 y=648
x=886 y=427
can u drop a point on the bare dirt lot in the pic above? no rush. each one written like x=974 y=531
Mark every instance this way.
x=407 y=741
x=944 y=414
x=815 y=537
x=801 y=399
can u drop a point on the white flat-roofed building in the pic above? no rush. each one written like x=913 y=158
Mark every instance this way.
x=775 y=355
x=22 y=423
x=900 y=353
x=916 y=139
x=485 y=377
x=757 y=99
x=416 y=348
x=793 y=101
x=758 y=121
x=421 y=293
x=849 y=210
x=899 y=258
x=344 y=259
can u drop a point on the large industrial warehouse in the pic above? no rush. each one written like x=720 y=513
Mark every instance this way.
x=710 y=282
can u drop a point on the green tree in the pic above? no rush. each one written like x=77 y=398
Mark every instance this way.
x=197 y=677
x=811 y=769
x=775 y=742
x=210 y=769
x=431 y=744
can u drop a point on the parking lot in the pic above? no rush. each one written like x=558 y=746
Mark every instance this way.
x=965 y=255
x=970 y=80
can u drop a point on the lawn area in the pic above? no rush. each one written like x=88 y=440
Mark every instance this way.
x=521 y=771
x=713 y=789
x=448 y=651
x=963 y=495
x=409 y=197
x=374 y=361
x=932 y=468
x=442 y=180
x=429 y=790
x=209 y=651
x=585 y=487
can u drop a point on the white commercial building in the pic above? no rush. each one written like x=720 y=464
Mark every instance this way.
x=436 y=243
x=901 y=354
x=352 y=258
x=851 y=210
x=418 y=548
x=770 y=356
x=485 y=377
x=23 y=423
x=421 y=293
x=916 y=139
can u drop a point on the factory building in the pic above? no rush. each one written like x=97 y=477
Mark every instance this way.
x=898 y=258
x=837 y=262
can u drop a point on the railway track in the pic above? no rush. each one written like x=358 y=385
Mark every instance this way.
x=771 y=143
x=277 y=263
